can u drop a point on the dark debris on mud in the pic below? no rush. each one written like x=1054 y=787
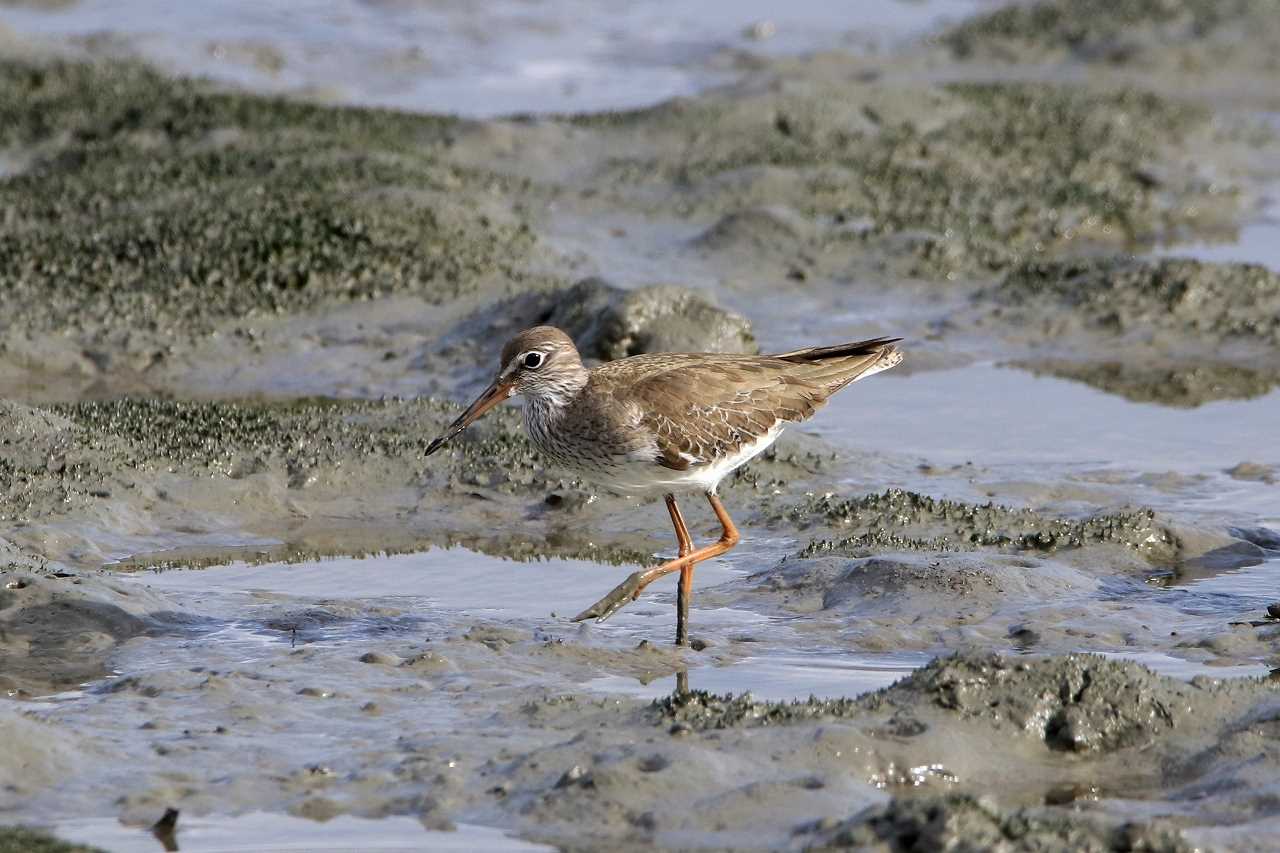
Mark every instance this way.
x=908 y=521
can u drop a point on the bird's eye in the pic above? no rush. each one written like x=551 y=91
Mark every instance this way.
x=533 y=359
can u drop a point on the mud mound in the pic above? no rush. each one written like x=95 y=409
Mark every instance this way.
x=903 y=520
x=997 y=173
x=763 y=229
x=1127 y=32
x=56 y=629
x=1076 y=703
x=169 y=206
x=608 y=322
x=962 y=822
x=1208 y=303
x=909 y=588
x=1073 y=703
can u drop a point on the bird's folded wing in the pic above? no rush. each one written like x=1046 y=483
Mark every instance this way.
x=701 y=413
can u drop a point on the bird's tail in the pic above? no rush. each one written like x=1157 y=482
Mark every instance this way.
x=836 y=366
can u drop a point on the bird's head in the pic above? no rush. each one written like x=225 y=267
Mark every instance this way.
x=541 y=362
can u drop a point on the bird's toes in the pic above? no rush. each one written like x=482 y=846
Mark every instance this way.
x=614 y=600
x=586 y=614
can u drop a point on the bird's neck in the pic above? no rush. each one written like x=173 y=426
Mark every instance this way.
x=553 y=397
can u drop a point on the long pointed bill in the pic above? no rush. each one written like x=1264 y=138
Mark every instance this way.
x=492 y=396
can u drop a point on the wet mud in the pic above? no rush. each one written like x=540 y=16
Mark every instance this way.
x=231 y=583
x=1194 y=39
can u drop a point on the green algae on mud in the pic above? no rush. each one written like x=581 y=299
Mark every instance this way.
x=97 y=101
x=1212 y=303
x=159 y=207
x=71 y=447
x=269 y=465
x=21 y=839
x=1124 y=32
x=983 y=175
x=903 y=520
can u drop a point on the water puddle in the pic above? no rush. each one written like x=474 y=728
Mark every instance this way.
x=1252 y=587
x=441 y=588
x=779 y=676
x=1029 y=431
x=11 y=163
x=259 y=832
x=1003 y=415
x=1256 y=242
x=1183 y=669
x=478 y=59
x=301 y=671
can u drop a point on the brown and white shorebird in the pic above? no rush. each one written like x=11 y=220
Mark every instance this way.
x=664 y=423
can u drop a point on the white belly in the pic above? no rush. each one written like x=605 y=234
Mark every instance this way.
x=644 y=477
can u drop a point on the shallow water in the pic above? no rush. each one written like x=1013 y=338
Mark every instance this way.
x=1256 y=242
x=1005 y=416
x=259 y=832
x=777 y=675
x=255 y=613
x=266 y=660
x=1014 y=425
x=478 y=59
x=437 y=589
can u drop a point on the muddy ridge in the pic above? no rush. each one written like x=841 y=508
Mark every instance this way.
x=893 y=518
x=1198 y=34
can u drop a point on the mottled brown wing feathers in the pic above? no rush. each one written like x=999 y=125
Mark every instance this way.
x=704 y=407
x=699 y=413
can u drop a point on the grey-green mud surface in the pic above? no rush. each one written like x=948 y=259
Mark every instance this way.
x=18 y=839
x=1193 y=39
x=189 y=276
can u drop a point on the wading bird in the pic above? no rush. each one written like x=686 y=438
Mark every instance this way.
x=665 y=423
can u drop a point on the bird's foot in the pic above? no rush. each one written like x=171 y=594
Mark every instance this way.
x=619 y=596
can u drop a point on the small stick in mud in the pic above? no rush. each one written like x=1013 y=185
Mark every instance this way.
x=665 y=422
x=166 y=828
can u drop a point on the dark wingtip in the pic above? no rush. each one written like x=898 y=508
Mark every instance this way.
x=867 y=347
x=435 y=445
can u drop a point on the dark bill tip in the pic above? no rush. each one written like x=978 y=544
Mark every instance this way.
x=492 y=396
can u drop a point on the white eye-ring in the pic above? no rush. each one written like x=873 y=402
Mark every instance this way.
x=532 y=360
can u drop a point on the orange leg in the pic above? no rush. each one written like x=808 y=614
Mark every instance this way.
x=684 y=593
x=630 y=588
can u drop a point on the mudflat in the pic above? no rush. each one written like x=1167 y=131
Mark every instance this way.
x=1015 y=597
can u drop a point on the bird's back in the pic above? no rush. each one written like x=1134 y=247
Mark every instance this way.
x=697 y=416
